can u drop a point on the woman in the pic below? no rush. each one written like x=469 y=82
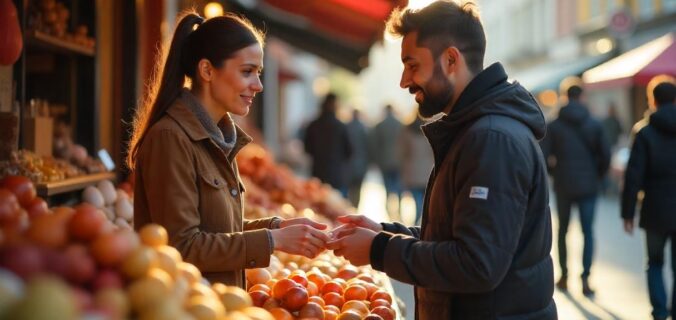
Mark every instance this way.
x=183 y=152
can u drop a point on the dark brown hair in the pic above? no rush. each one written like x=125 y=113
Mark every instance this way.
x=443 y=24
x=215 y=39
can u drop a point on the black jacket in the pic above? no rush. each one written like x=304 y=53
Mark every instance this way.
x=652 y=168
x=482 y=251
x=327 y=142
x=580 y=151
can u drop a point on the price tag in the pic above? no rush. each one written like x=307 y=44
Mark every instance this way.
x=106 y=159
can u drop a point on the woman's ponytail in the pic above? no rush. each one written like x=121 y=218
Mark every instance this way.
x=165 y=84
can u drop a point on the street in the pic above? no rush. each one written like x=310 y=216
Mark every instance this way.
x=617 y=274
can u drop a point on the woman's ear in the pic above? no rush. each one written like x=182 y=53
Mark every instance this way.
x=204 y=70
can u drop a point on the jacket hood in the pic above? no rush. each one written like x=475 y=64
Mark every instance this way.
x=664 y=119
x=504 y=98
x=574 y=113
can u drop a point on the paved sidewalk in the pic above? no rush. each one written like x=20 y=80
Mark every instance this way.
x=617 y=274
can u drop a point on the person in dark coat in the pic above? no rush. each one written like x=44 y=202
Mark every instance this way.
x=579 y=156
x=384 y=152
x=328 y=144
x=417 y=161
x=359 y=163
x=612 y=127
x=482 y=251
x=652 y=169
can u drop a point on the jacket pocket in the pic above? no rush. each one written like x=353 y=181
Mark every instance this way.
x=213 y=181
x=216 y=207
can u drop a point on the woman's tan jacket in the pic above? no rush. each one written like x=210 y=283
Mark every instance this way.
x=187 y=184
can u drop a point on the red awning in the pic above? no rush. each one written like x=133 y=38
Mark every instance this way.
x=340 y=31
x=635 y=67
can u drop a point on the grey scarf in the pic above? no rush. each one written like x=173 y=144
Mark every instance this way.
x=223 y=133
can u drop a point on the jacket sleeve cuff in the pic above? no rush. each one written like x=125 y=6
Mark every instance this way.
x=263 y=223
x=378 y=246
x=389 y=227
x=257 y=253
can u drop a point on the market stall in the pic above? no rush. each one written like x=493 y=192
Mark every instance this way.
x=90 y=257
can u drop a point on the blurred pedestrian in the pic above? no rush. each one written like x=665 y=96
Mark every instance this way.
x=651 y=101
x=483 y=249
x=417 y=161
x=328 y=144
x=612 y=127
x=652 y=169
x=578 y=157
x=359 y=162
x=385 y=153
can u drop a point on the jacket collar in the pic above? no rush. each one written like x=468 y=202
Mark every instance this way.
x=187 y=120
x=486 y=85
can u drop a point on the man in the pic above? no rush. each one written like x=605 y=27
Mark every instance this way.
x=612 y=127
x=328 y=144
x=482 y=251
x=385 y=152
x=652 y=169
x=579 y=157
x=651 y=101
x=359 y=162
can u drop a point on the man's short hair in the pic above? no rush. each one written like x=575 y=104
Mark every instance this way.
x=664 y=93
x=650 y=88
x=443 y=24
x=574 y=92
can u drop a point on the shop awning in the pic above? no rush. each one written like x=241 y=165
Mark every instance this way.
x=637 y=66
x=340 y=31
x=550 y=75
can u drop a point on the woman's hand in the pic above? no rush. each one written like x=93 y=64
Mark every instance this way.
x=300 y=239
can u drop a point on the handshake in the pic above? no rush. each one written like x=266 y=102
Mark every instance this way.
x=351 y=240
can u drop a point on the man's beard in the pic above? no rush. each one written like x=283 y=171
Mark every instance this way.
x=437 y=94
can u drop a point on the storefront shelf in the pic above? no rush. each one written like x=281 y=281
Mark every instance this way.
x=49 y=42
x=72 y=184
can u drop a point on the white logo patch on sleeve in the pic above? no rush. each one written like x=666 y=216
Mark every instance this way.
x=478 y=193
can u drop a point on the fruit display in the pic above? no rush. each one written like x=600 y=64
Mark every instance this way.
x=48 y=169
x=115 y=203
x=90 y=257
x=73 y=263
x=326 y=287
x=270 y=186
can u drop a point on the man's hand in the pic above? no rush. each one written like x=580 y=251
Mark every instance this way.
x=302 y=221
x=353 y=244
x=629 y=226
x=361 y=221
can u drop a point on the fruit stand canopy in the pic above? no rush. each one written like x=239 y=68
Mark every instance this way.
x=340 y=31
x=637 y=66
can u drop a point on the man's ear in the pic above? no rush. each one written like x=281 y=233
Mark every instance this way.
x=205 y=70
x=451 y=58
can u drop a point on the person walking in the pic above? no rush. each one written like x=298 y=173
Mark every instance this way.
x=385 y=153
x=183 y=150
x=482 y=251
x=417 y=161
x=359 y=162
x=652 y=169
x=327 y=141
x=578 y=157
x=612 y=127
